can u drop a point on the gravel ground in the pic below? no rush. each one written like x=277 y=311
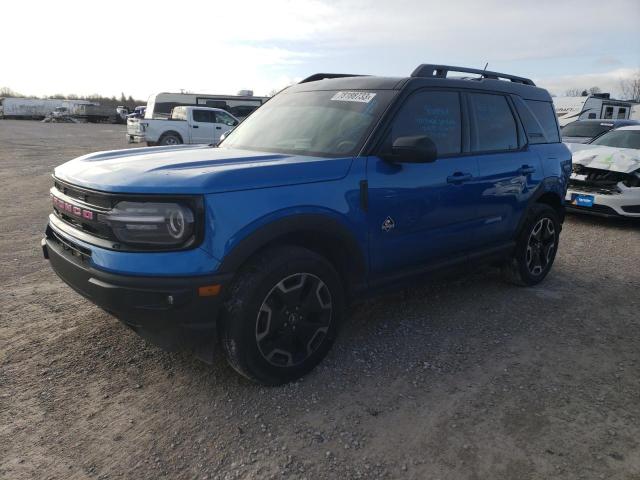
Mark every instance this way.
x=457 y=379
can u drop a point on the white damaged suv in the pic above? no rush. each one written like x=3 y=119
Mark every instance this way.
x=606 y=174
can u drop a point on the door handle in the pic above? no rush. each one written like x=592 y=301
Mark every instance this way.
x=459 y=177
x=218 y=128
x=195 y=126
x=526 y=170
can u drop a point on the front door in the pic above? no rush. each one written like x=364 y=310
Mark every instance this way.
x=423 y=213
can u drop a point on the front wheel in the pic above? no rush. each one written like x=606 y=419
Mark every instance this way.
x=536 y=247
x=282 y=315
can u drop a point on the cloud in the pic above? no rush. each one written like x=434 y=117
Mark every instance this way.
x=257 y=44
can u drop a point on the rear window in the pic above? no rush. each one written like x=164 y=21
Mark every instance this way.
x=495 y=127
x=179 y=113
x=586 y=130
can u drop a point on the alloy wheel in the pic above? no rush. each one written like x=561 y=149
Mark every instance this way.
x=293 y=319
x=541 y=246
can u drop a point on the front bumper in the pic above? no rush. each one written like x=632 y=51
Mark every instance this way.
x=167 y=311
x=624 y=204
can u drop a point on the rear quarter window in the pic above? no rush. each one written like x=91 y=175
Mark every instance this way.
x=538 y=119
x=546 y=117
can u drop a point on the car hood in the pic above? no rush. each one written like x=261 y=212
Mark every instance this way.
x=196 y=169
x=625 y=160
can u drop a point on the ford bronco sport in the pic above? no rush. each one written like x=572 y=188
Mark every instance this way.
x=338 y=186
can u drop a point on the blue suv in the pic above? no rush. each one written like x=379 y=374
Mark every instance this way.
x=339 y=186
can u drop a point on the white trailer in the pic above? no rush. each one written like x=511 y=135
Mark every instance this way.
x=635 y=111
x=35 y=108
x=596 y=106
x=29 y=107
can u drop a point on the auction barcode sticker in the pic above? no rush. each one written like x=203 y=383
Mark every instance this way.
x=363 y=97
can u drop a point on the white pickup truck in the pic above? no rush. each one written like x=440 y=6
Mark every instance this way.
x=185 y=125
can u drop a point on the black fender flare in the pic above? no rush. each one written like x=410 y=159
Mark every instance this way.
x=317 y=228
x=535 y=198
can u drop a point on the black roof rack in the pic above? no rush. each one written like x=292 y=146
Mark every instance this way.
x=321 y=76
x=440 y=71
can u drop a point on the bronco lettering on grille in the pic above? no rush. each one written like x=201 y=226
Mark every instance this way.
x=68 y=208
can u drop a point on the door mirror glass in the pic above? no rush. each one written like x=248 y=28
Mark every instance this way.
x=413 y=149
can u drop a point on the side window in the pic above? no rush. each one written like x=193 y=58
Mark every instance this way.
x=622 y=112
x=225 y=118
x=608 y=113
x=434 y=114
x=495 y=127
x=545 y=115
x=203 y=116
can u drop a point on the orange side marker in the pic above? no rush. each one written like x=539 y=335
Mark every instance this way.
x=209 y=290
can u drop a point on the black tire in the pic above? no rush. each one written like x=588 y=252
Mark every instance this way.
x=170 y=139
x=270 y=297
x=536 y=247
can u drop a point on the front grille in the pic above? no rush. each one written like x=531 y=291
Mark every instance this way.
x=85 y=206
x=88 y=197
x=594 y=180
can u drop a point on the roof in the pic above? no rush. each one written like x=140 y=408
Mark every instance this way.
x=427 y=76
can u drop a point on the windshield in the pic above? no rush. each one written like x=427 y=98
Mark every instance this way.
x=619 y=139
x=316 y=123
x=587 y=130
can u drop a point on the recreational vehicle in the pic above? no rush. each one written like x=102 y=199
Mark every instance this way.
x=589 y=107
x=240 y=106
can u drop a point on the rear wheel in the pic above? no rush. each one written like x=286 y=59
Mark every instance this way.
x=170 y=139
x=536 y=247
x=282 y=315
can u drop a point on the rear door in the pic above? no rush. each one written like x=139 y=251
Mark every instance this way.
x=422 y=213
x=508 y=171
x=202 y=126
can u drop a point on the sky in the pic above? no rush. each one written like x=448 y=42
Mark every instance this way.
x=142 y=47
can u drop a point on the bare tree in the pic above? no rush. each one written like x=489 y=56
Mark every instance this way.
x=572 y=92
x=7 y=92
x=630 y=87
x=593 y=90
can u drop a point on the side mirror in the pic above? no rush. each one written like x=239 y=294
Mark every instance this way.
x=414 y=149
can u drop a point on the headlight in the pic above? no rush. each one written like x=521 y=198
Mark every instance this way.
x=151 y=223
